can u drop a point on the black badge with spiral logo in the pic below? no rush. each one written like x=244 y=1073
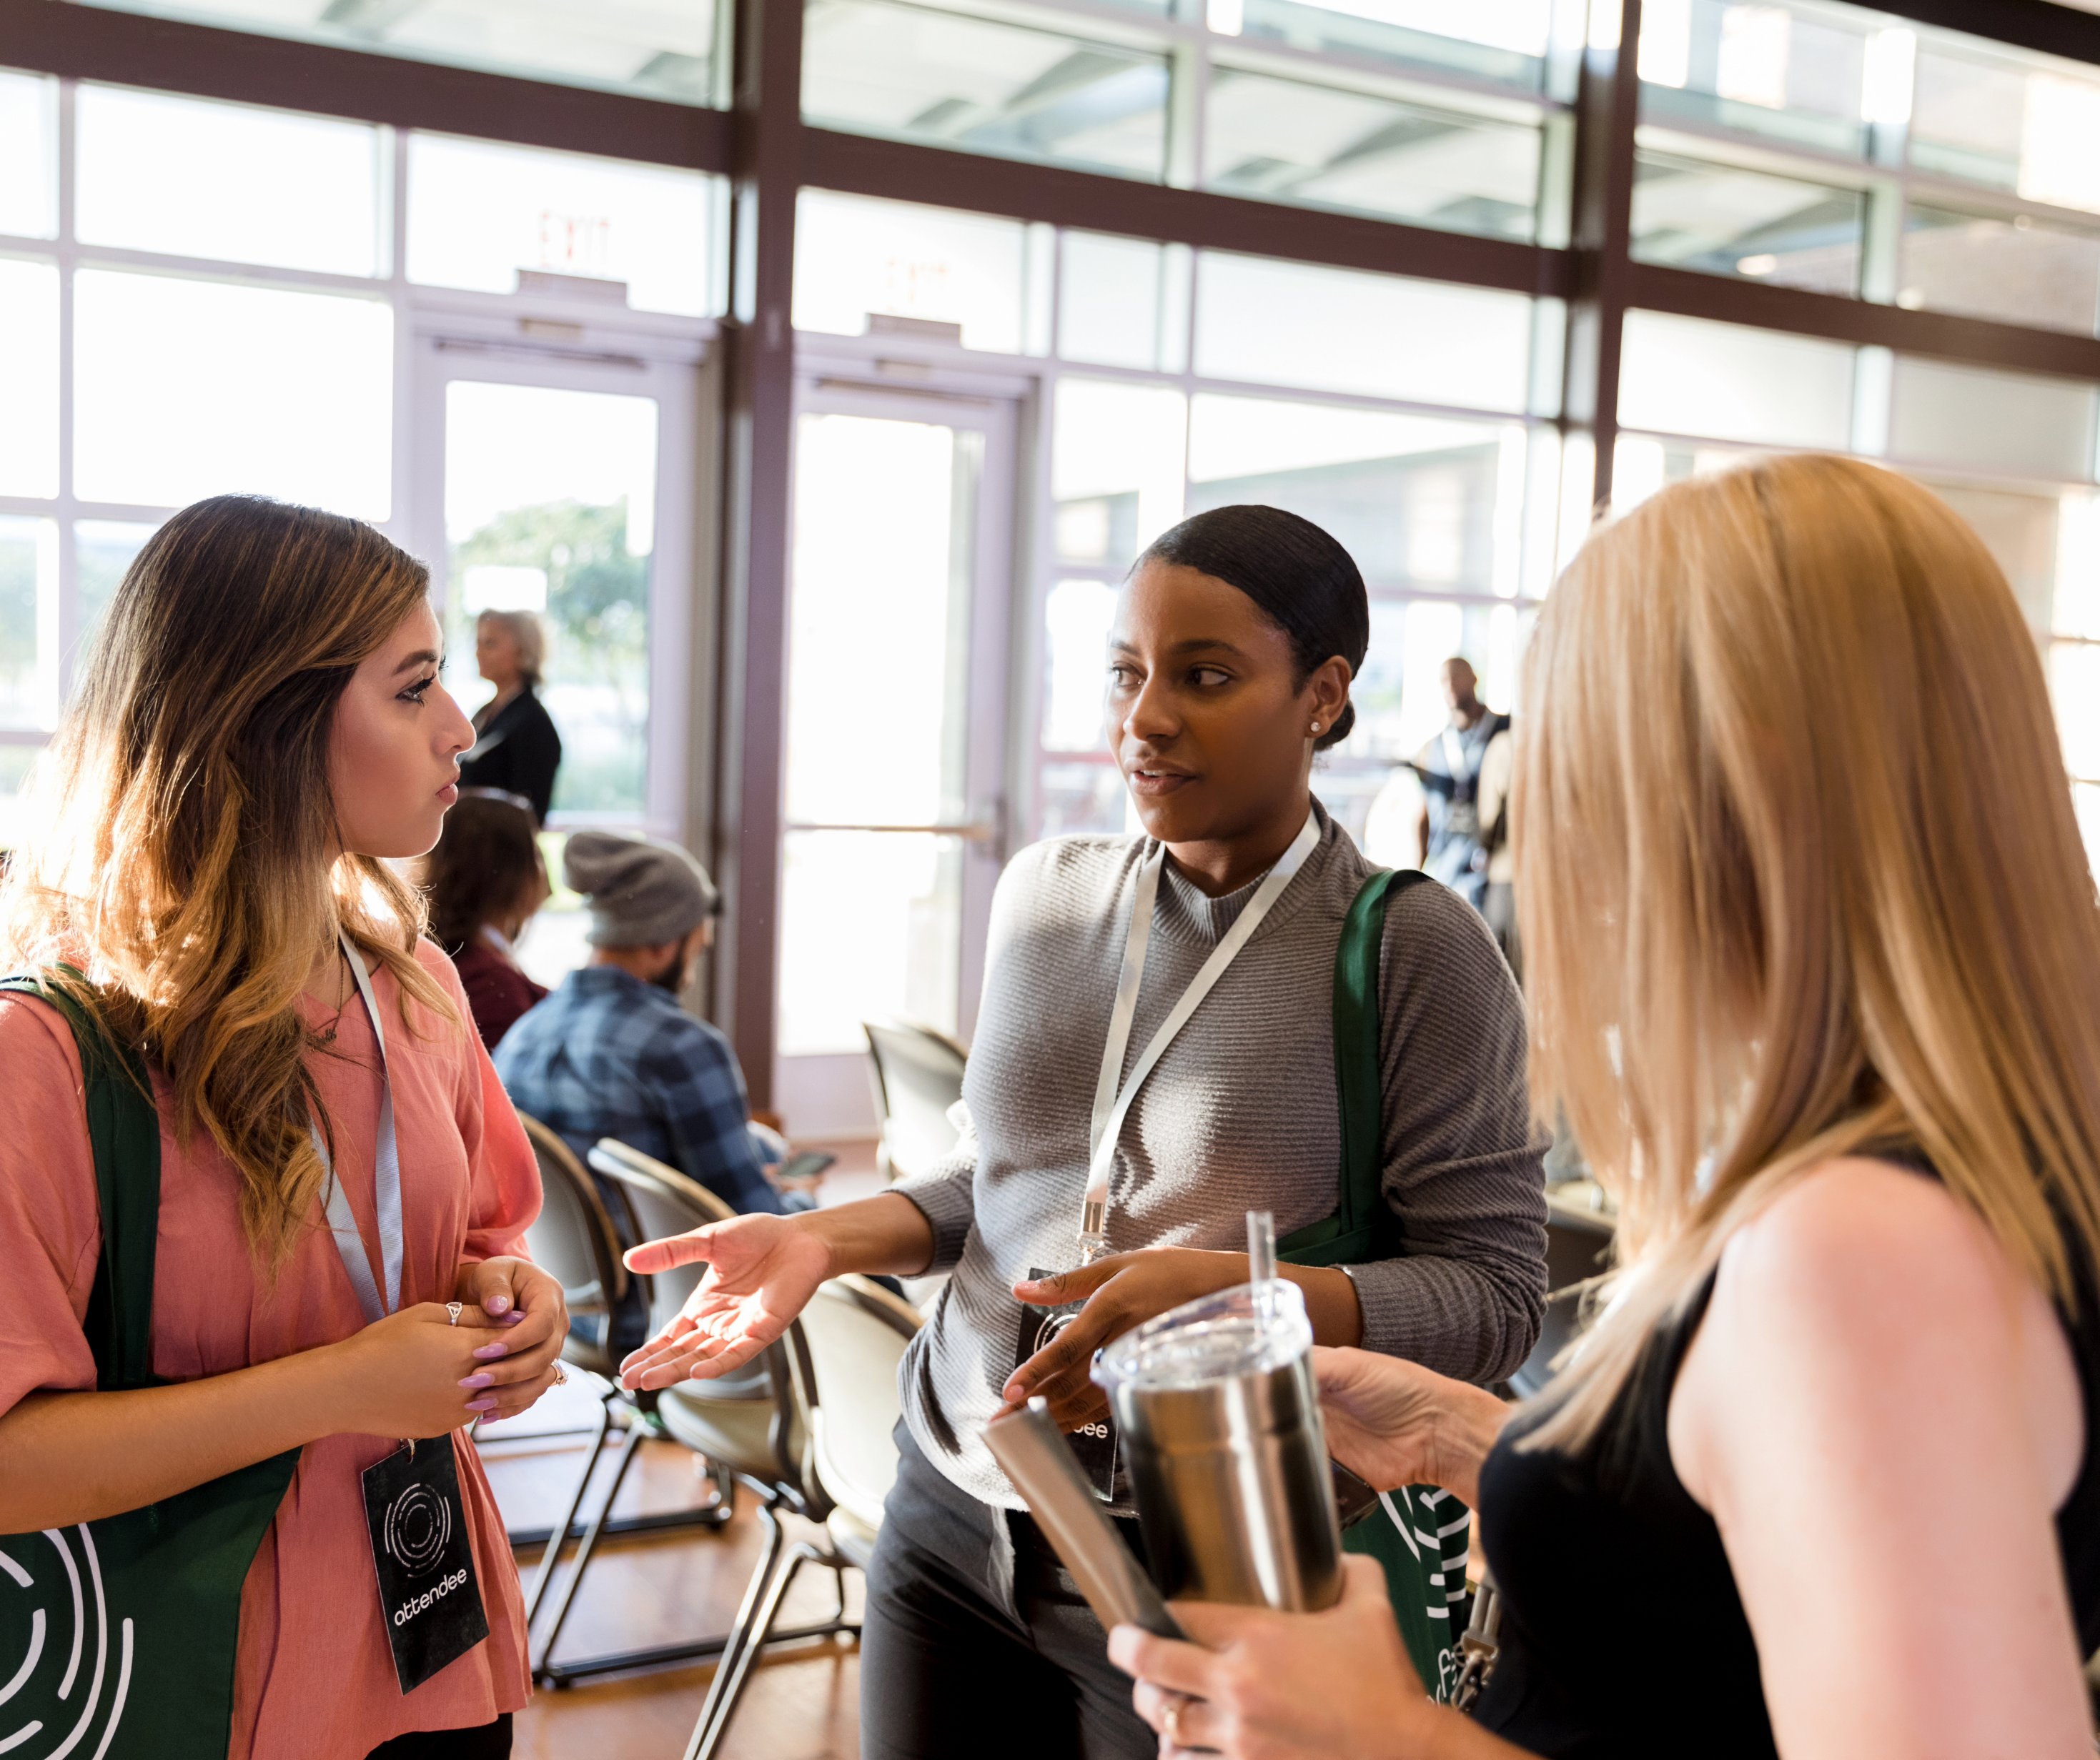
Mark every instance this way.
x=1093 y=1445
x=429 y=1596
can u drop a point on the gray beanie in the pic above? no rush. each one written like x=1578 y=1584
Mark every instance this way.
x=642 y=893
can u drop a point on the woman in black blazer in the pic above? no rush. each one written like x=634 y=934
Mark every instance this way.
x=516 y=748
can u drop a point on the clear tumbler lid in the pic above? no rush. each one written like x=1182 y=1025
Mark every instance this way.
x=1250 y=1330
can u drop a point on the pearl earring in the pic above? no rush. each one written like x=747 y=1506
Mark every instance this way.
x=1316 y=727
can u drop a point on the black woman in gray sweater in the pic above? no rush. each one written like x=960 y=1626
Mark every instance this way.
x=1155 y=1057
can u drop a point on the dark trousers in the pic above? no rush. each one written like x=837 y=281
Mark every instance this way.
x=491 y=1742
x=977 y=1641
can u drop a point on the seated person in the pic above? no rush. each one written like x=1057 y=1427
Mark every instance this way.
x=612 y=1054
x=486 y=879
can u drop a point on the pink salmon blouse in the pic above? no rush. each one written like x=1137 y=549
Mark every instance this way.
x=314 y=1679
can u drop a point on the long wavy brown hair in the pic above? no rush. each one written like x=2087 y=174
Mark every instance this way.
x=182 y=874
x=1798 y=878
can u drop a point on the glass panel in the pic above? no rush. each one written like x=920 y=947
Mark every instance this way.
x=28 y=147
x=878 y=635
x=1730 y=222
x=855 y=256
x=187 y=388
x=879 y=621
x=1289 y=141
x=28 y=623
x=102 y=550
x=1687 y=375
x=2029 y=129
x=30 y=378
x=644 y=46
x=550 y=506
x=194 y=179
x=1338 y=330
x=1412 y=498
x=1078 y=797
x=2085 y=802
x=1117 y=463
x=1123 y=302
x=1790 y=74
x=479 y=214
x=2073 y=684
x=14 y=765
x=2016 y=269
x=878 y=69
x=2008 y=421
x=2020 y=532
x=1641 y=465
x=1076 y=619
x=2076 y=606
x=897 y=951
x=1502 y=42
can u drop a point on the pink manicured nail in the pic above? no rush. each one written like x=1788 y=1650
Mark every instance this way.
x=514 y=1317
x=496 y=1304
x=482 y=1405
x=483 y=1380
x=491 y=1351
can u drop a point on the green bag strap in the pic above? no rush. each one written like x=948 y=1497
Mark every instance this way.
x=124 y=1127
x=1363 y=1225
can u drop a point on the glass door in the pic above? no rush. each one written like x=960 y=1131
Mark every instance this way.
x=560 y=484
x=894 y=830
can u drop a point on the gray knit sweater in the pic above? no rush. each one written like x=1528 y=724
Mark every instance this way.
x=1240 y=1114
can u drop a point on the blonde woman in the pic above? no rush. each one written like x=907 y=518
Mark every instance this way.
x=329 y=1283
x=1814 y=970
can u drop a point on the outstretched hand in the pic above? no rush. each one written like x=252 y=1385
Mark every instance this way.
x=762 y=1272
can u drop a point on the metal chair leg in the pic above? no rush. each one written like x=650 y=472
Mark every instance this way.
x=629 y=1446
x=735 y=1669
x=559 y=1536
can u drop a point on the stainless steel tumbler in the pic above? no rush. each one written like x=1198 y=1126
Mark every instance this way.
x=1227 y=1457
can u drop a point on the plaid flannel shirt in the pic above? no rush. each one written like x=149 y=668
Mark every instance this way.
x=607 y=1055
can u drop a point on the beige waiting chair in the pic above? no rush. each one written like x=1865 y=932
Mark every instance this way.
x=846 y=1349
x=916 y=1074
x=575 y=1240
x=751 y=1424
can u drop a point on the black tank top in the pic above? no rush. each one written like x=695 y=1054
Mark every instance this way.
x=1623 y=1637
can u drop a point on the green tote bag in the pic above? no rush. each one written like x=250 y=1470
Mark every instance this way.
x=117 y=1636
x=1419 y=1533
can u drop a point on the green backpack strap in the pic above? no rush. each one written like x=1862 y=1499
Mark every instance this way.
x=1363 y=1226
x=124 y=1130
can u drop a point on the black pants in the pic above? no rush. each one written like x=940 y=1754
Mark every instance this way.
x=491 y=1742
x=957 y=1662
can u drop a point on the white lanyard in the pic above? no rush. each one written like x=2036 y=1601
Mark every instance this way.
x=1111 y=1106
x=385 y=1180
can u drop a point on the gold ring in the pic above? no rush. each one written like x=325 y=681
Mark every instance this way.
x=455 y=1309
x=561 y=1376
x=1175 y=1707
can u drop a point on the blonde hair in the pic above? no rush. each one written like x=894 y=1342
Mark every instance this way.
x=1799 y=878
x=185 y=871
x=525 y=629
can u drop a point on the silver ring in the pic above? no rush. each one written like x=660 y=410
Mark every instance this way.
x=561 y=1376
x=455 y=1309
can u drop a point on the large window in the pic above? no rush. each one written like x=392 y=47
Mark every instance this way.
x=1850 y=152
x=244 y=296
x=642 y=46
x=1173 y=387
x=1437 y=115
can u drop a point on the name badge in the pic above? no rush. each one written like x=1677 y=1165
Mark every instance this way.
x=1093 y=1445
x=430 y=1599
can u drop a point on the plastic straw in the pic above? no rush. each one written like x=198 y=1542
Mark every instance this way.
x=1261 y=1250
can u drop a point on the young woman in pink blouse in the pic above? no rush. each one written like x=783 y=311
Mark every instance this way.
x=259 y=730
